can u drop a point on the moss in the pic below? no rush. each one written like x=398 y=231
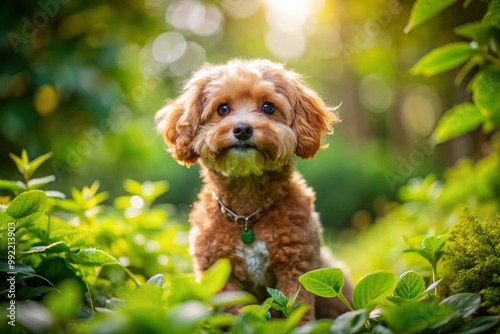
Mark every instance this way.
x=473 y=259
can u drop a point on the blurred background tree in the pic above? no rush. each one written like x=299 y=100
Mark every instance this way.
x=84 y=79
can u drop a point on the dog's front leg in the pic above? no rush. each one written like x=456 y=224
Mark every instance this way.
x=288 y=283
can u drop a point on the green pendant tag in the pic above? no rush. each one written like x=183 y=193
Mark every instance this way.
x=247 y=236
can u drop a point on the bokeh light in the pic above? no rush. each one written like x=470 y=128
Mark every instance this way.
x=420 y=111
x=375 y=93
x=194 y=16
x=46 y=99
x=288 y=21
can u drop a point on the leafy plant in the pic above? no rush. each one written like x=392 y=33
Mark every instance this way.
x=27 y=168
x=481 y=52
x=473 y=259
x=54 y=265
x=431 y=249
x=406 y=304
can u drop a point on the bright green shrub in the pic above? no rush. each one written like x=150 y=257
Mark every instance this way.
x=473 y=256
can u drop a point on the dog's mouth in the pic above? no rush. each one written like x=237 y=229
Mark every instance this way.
x=240 y=147
x=243 y=147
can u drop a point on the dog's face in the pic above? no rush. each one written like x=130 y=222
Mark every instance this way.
x=244 y=118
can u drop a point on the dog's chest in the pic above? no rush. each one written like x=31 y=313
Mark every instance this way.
x=255 y=257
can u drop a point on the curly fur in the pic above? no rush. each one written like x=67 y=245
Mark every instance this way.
x=243 y=173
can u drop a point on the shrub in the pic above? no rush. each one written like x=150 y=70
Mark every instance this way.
x=473 y=256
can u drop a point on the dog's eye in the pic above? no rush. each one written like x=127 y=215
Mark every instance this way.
x=268 y=108
x=223 y=109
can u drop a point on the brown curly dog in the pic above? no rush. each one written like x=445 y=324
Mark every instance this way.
x=244 y=122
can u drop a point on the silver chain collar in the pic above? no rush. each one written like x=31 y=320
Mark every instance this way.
x=244 y=221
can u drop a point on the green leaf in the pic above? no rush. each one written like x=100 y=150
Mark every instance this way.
x=458 y=120
x=13 y=186
x=186 y=317
x=492 y=16
x=278 y=296
x=156 y=280
x=467 y=3
x=431 y=248
x=215 y=278
x=28 y=292
x=316 y=327
x=410 y=285
x=184 y=287
x=23 y=271
x=230 y=298
x=29 y=206
x=21 y=162
x=56 y=247
x=372 y=288
x=423 y=10
x=350 y=322
x=93 y=257
x=68 y=205
x=66 y=301
x=486 y=93
x=291 y=301
x=474 y=61
x=434 y=245
x=415 y=317
x=325 y=282
x=25 y=167
x=33 y=165
x=38 y=183
x=478 y=325
x=55 y=194
x=247 y=322
x=132 y=187
x=475 y=31
x=295 y=317
x=397 y=300
x=114 y=303
x=260 y=310
x=148 y=190
x=463 y=304
x=443 y=59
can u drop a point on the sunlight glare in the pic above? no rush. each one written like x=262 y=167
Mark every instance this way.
x=137 y=202
x=289 y=22
x=286 y=15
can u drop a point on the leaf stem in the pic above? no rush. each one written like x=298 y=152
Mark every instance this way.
x=48 y=227
x=494 y=60
x=344 y=300
x=84 y=278
x=434 y=274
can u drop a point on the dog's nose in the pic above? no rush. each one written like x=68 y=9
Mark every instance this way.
x=243 y=131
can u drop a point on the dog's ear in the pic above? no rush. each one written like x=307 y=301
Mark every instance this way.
x=313 y=118
x=179 y=120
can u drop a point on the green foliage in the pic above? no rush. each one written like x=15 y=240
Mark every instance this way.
x=431 y=205
x=423 y=10
x=372 y=288
x=460 y=119
x=410 y=285
x=473 y=257
x=482 y=52
x=407 y=305
x=324 y=282
x=27 y=168
x=444 y=58
x=50 y=244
